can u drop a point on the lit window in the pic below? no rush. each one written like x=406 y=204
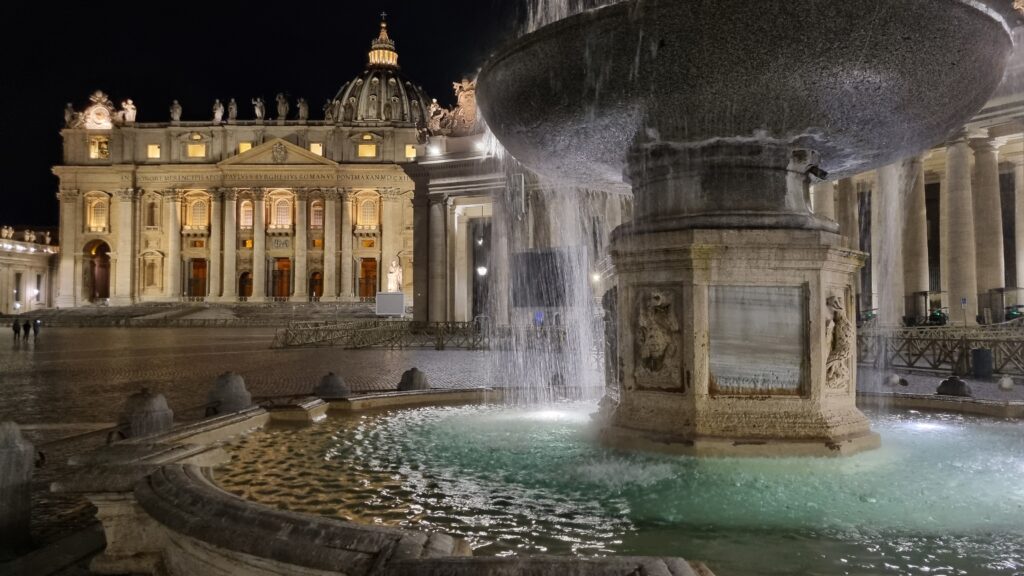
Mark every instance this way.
x=245 y=220
x=153 y=151
x=196 y=151
x=199 y=213
x=247 y=243
x=410 y=151
x=244 y=147
x=99 y=148
x=316 y=216
x=367 y=151
x=282 y=213
x=98 y=215
x=317 y=148
x=368 y=213
x=318 y=242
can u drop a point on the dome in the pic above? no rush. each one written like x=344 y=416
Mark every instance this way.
x=381 y=94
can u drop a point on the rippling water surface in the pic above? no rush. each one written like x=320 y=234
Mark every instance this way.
x=944 y=495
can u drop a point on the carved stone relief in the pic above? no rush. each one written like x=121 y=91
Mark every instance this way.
x=839 y=339
x=657 y=341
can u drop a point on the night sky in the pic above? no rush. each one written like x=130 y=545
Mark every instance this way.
x=197 y=51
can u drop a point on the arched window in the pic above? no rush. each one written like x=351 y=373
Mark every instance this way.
x=198 y=216
x=245 y=218
x=282 y=213
x=152 y=214
x=368 y=213
x=98 y=215
x=316 y=215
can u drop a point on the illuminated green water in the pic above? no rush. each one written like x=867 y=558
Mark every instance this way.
x=944 y=495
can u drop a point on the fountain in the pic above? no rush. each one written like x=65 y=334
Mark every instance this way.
x=734 y=332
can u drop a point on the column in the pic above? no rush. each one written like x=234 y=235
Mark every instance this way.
x=438 y=259
x=988 y=236
x=213 y=270
x=172 y=260
x=1018 y=205
x=421 y=257
x=229 y=278
x=887 y=243
x=69 y=229
x=825 y=200
x=301 y=291
x=915 y=239
x=123 y=208
x=330 y=246
x=461 y=278
x=391 y=231
x=259 y=246
x=944 y=240
x=848 y=214
x=348 y=293
x=963 y=281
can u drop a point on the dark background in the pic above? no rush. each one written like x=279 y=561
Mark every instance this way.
x=153 y=52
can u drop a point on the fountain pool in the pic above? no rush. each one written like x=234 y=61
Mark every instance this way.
x=944 y=494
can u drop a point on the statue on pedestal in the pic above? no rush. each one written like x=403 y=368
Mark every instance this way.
x=70 y=116
x=232 y=110
x=328 y=111
x=303 y=109
x=128 y=111
x=395 y=276
x=46 y=237
x=259 y=108
x=175 y=111
x=218 y=111
x=282 y=106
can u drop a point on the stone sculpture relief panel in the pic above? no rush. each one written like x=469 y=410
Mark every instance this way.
x=758 y=340
x=839 y=342
x=657 y=338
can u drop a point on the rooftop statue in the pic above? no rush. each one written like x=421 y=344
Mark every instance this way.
x=232 y=110
x=282 y=106
x=329 y=111
x=128 y=111
x=303 y=109
x=259 y=108
x=218 y=111
x=175 y=111
x=70 y=116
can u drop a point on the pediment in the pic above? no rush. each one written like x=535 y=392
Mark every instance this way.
x=277 y=152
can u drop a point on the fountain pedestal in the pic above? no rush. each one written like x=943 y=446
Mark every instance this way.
x=736 y=342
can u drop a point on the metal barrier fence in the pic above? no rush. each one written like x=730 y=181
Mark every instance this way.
x=946 y=349
x=400 y=334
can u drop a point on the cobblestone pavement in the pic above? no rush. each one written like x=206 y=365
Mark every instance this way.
x=65 y=389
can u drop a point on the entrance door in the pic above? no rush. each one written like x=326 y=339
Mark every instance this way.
x=197 y=279
x=245 y=285
x=316 y=285
x=98 y=254
x=368 y=278
x=282 y=277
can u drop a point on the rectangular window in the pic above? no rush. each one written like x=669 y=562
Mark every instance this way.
x=99 y=148
x=367 y=151
x=317 y=148
x=410 y=151
x=247 y=243
x=244 y=147
x=318 y=242
x=196 y=151
x=153 y=151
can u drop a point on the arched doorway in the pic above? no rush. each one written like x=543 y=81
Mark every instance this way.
x=97 y=279
x=245 y=285
x=316 y=285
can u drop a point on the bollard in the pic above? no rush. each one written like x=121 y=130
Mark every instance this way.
x=1006 y=383
x=146 y=413
x=413 y=379
x=17 y=458
x=229 y=394
x=332 y=386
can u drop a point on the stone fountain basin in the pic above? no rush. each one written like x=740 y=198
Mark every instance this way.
x=862 y=82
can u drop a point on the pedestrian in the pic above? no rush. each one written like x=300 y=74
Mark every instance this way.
x=25 y=328
x=17 y=329
x=35 y=328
